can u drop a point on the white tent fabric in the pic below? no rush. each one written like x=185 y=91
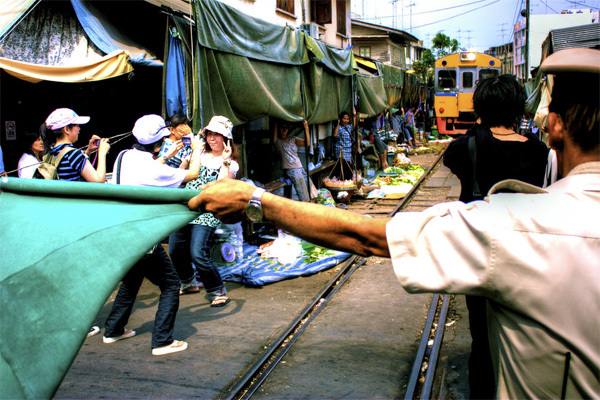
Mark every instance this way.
x=10 y=13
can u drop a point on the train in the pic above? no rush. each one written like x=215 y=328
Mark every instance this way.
x=456 y=76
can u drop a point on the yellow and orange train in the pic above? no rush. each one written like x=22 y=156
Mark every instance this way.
x=456 y=76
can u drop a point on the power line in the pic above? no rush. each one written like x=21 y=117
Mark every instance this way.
x=546 y=4
x=582 y=4
x=425 y=12
x=457 y=15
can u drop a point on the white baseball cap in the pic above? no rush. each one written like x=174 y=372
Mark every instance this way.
x=62 y=117
x=221 y=125
x=150 y=128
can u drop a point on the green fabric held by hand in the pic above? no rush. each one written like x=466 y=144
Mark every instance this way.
x=65 y=246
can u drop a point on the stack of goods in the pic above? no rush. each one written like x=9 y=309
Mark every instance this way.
x=397 y=181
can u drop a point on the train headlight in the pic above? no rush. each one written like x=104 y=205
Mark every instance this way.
x=441 y=110
x=468 y=56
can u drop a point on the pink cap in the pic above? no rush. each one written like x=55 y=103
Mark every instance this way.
x=62 y=117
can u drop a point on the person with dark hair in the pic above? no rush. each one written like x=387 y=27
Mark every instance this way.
x=173 y=150
x=532 y=253
x=497 y=153
x=344 y=138
x=59 y=132
x=193 y=242
x=31 y=158
x=290 y=162
x=139 y=167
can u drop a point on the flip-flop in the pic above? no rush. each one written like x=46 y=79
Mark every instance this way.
x=224 y=300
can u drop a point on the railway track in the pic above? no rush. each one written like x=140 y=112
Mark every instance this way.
x=422 y=377
x=349 y=331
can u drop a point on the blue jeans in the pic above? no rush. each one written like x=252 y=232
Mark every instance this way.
x=158 y=268
x=192 y=243
x=298 y=176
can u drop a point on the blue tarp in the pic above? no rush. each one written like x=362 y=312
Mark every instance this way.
x=175 y=79
x=257 y=271
x=109 y=38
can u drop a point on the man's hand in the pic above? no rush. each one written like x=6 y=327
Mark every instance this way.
x=225 y=198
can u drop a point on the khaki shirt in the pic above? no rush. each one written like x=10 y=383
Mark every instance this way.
x=536 y=257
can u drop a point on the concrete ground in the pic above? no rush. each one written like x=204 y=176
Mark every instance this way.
x=361 y=346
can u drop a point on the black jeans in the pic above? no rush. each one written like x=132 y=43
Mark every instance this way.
x=158 y=268
x=482 y=381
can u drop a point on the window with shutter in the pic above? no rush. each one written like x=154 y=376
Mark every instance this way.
x=286 y=5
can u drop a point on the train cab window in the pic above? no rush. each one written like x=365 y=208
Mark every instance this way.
x=488 y=73
x=467 y=80
x=446 y=79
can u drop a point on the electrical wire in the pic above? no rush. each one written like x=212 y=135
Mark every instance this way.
x=455 y=16
x=425 y=12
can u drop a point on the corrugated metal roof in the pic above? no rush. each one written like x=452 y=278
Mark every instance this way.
x=587 y=36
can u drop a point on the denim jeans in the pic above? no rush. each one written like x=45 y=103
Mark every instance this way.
x=192 y=243
x=298 y=177
x=158 y=268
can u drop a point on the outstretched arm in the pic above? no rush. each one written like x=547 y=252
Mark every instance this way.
x=304 y=142
x=326 y=226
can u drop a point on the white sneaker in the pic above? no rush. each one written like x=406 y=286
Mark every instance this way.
x=127 y=334
x=177 y=345
x=94 y=330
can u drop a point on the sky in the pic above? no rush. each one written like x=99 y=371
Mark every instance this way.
x=476 y=24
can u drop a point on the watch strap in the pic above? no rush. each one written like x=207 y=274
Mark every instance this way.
x=257 y=194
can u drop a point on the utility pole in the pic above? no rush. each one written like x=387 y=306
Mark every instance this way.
x=527 y=27
x=394 y=14
x=410 y=26
x=469 y=38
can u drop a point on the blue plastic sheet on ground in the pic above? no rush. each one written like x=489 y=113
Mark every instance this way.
x=256 y=271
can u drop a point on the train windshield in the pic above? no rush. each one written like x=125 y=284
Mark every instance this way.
x=446 y=79
x=488 y=73
x=467 y=80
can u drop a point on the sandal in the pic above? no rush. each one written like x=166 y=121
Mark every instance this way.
x=220 y=301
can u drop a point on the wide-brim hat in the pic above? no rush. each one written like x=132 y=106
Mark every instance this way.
x=572 y=60
x=150 y=129
x=221 y=125
x=62 y=117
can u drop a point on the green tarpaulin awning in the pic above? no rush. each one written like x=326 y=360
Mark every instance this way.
x=64 y=248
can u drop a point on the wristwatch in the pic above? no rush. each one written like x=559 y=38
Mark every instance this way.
x=254 y=210
x=227 y=163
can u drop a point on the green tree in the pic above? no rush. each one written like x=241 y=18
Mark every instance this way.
x=443 y=45
x=424 y=67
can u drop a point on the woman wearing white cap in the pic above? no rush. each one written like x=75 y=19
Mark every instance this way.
x=140 y=167
x=59 y=132
x=192 y=243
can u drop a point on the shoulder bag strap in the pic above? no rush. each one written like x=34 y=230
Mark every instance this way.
x=117 y=171
x=473 y=156
x=59 y=158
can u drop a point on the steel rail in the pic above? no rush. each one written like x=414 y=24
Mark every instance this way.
x=435 y=350
x=256 y=374
x=241 y=386
x=421 y=357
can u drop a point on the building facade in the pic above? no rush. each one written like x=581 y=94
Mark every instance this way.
x=504 y=53
x=326 y=20
x=539 y=27
x=386 y=45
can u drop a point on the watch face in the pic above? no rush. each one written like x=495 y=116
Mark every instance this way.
x=254 y=211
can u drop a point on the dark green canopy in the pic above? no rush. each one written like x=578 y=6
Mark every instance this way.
x=246 y=69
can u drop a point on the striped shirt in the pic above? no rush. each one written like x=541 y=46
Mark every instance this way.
x=71 y=165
